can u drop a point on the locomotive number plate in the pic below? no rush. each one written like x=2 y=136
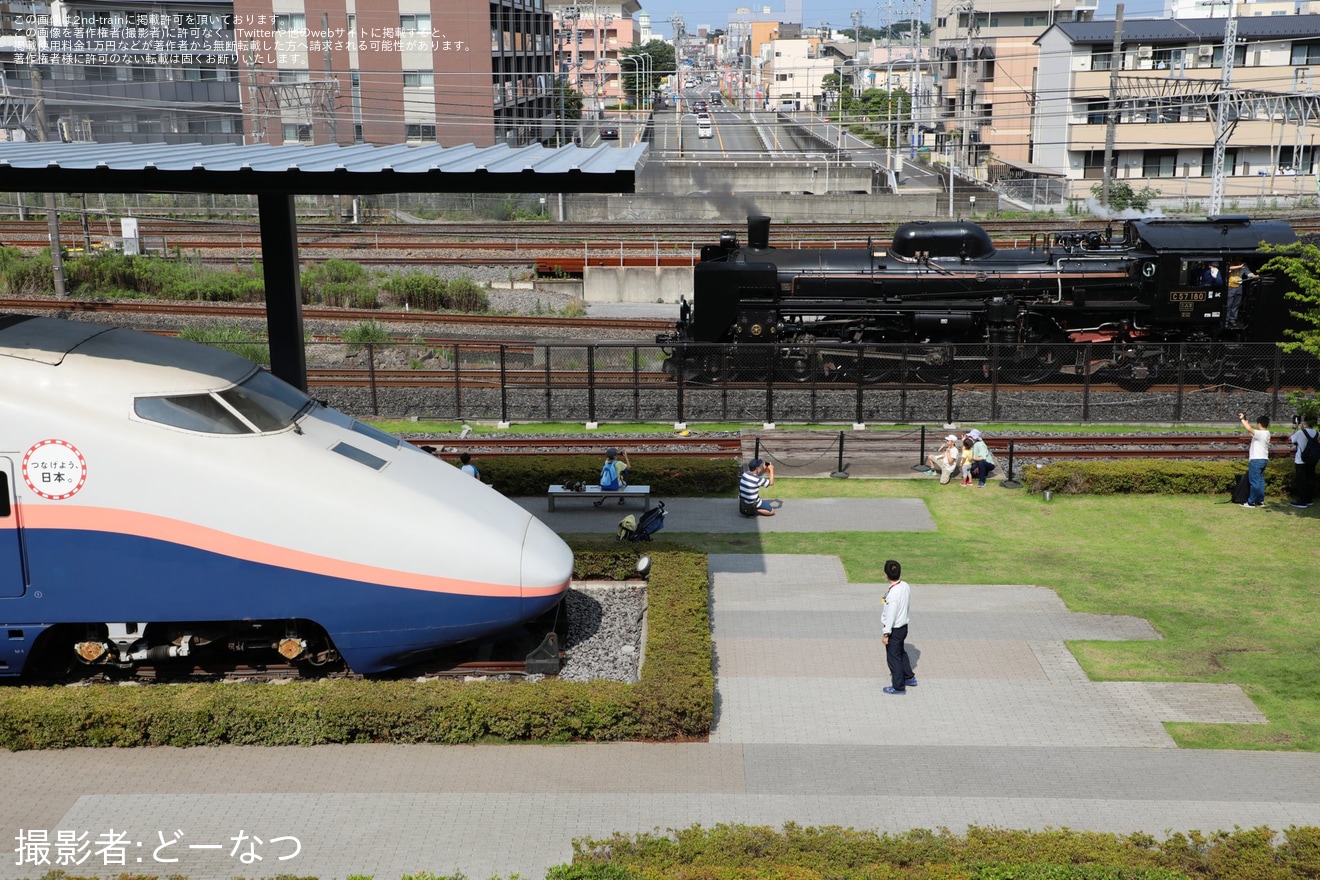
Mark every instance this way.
x=1181 y=296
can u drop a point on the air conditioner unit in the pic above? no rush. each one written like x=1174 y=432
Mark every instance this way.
x=1145 y=51
x=1205 y=51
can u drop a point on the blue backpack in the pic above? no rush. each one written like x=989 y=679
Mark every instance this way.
x=609 y=475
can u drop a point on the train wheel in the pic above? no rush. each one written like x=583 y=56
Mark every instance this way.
x=1203 y=365
x=1047 y=363
x=797 y=366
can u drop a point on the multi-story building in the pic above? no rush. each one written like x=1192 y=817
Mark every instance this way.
x=589 y=37
x=424 y=71
x=793 y=72
x=1167 y=75
x=120 y=70
x=988 y=78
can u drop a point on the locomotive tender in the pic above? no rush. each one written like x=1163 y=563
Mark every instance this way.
x=945 y=284
x=166 y=501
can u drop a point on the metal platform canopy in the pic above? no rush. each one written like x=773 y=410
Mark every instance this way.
x=275 y=174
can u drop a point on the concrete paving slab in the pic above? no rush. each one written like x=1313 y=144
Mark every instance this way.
x=720 y=515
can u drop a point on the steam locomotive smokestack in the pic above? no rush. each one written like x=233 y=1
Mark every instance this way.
x=758 y=232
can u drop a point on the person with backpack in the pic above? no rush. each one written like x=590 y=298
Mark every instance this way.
x=466 y=465
x=611 y=473
x=1307 y=441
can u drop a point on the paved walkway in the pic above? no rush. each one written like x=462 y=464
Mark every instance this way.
x=1003 y=729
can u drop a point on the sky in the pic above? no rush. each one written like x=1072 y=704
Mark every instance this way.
x=838 y=13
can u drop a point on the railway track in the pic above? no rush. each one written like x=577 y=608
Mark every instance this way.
x=258 y=312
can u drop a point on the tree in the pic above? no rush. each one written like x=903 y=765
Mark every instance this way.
x=642 y=76
x=1123 y=198
x=1301 y=264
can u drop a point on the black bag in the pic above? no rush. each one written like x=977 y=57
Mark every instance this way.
x=1241 y=489
x=1311 y=451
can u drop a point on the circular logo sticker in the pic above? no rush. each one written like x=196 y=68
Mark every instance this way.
x=54 y=469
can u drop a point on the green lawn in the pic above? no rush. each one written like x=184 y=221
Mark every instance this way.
x=1235 y=593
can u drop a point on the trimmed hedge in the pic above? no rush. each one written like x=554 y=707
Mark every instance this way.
x=523 y=475
x=675 y=697
x=802 y=853
x=1153 y=476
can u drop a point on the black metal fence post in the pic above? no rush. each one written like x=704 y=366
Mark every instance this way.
x=637 y=384
x=1178 y=401
x=458 y=385
x=994 y=381
x=756 y=450
x=1278 y=378
x=680 y=355
x=811 y=365
x=591 y=383
x=504 y=384
x=903 y=385
x=770 y=386
x=1086 y=383
x=549 y=406
x=371 y=376
x=724 y=382
x=861 y=360
x=948 y=385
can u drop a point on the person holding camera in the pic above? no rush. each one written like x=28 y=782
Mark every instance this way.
x=758 y=475
x=1307 y=442
x=1257 y=457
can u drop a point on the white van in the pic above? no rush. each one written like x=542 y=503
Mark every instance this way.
x=704 y=128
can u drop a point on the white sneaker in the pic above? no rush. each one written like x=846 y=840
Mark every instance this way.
x=1249 y=506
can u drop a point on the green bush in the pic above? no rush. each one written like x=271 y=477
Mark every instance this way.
x=464 y=294
x=417 y=290
x=241 y=342
x=675 y=697
x=339 y=283
x=26 y=276
x=364 y=332
x=1154 y=476
x=519 y=475
x=797 y=852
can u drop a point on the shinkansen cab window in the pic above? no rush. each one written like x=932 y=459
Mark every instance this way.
x=192 y=412
x=266 y=402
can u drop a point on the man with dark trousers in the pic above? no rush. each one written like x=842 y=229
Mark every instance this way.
x=894 y=622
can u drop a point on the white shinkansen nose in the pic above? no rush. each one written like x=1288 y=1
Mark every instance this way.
x=547 y=562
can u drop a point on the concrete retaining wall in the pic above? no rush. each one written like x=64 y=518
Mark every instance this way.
x=638 y=284
x=733 y=208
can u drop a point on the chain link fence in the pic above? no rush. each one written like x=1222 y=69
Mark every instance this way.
x=1104 y=382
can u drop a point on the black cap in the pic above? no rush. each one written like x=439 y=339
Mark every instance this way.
x=611 y=452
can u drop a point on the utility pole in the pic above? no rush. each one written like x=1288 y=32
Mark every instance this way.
x=1221 y=113
x=677 y=24
x=857 y=53
x=965 y=89
x=1111 y=118
x=52 y=212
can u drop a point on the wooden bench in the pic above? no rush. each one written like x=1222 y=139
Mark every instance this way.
x=598 y=495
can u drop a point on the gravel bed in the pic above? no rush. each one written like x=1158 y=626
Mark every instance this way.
x=606 y=632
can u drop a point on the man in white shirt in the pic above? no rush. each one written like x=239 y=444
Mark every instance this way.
x=1257 y=457
x=894 y=623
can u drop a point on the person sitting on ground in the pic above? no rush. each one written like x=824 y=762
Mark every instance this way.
x=466 y=465
x=945 y=461
x=757 y=476
x=967 y=444
x=983 y=460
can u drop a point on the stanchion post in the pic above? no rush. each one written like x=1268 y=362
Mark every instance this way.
x=921 y=464
x=756 y=450
x=504 y=385
x=371 y=375
x=458 y=383
x=948 y=386
x=1010 y=483
x=841 y=472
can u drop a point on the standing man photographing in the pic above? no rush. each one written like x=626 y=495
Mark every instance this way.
x=894 y=622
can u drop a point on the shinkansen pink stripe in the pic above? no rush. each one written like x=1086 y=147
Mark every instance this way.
x=127 y=522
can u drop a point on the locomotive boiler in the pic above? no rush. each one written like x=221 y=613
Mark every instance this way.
x=944 y=289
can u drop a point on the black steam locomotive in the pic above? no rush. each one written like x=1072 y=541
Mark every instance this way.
x=944 y=286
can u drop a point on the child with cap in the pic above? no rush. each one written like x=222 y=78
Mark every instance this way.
x=945 y=461
x=611 y=473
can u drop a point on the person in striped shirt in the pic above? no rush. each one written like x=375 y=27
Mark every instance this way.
x=757 y=476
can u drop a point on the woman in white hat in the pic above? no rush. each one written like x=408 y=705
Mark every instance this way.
x=944 y=462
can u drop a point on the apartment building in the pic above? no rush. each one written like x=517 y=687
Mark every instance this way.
x=1167 y=75
x=417 y=71
x=792 y=73
x=120 y=71
x=987 y=75
x=588 y=38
